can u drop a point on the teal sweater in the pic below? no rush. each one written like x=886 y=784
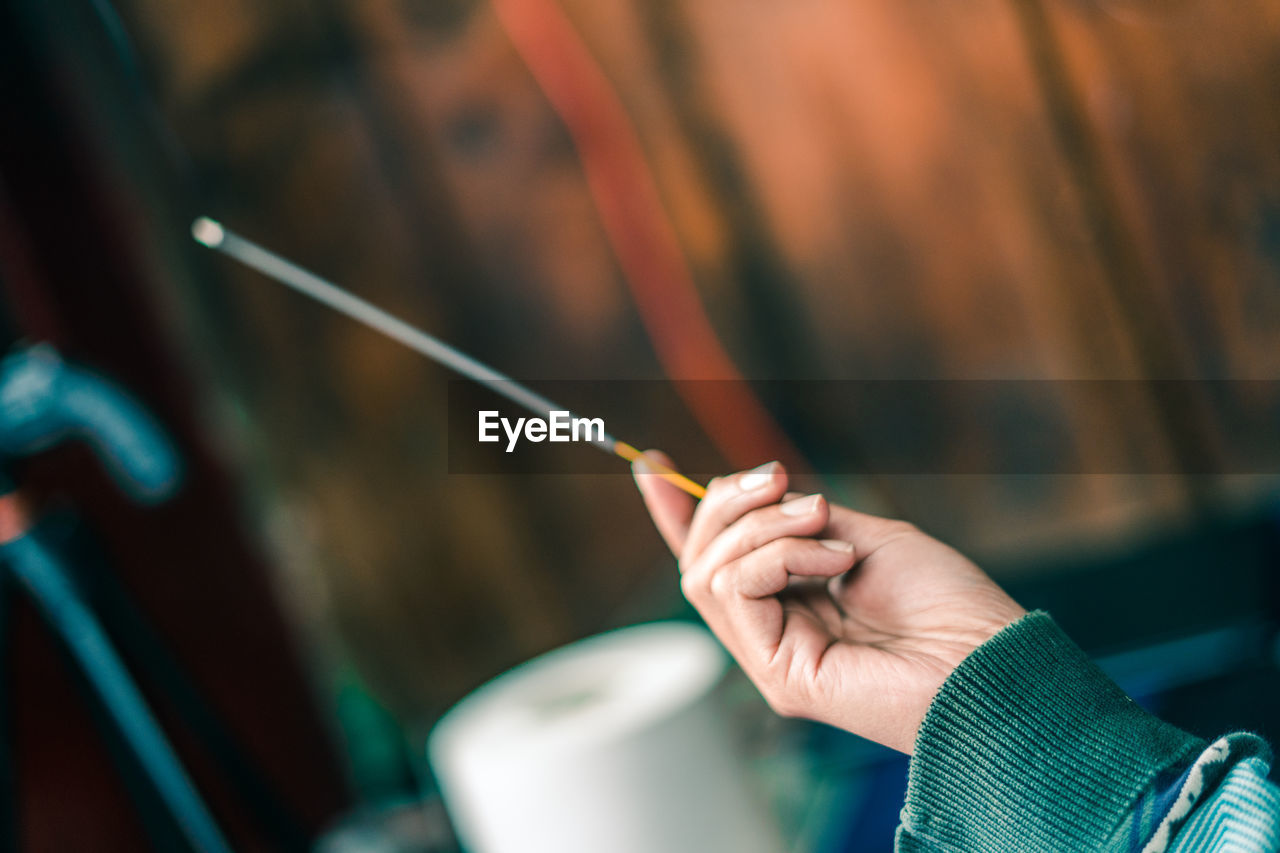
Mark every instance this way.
x=1029 y=747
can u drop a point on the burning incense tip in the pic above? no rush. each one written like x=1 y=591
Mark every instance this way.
x=207 y=231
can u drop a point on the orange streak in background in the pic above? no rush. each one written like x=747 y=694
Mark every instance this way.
x=642 y=237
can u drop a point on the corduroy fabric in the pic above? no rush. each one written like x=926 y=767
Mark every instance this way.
x=1028 y=746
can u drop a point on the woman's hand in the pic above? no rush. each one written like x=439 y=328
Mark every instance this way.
x=836 y=616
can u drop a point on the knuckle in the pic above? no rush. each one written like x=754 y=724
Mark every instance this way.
x=778 y=552
x=897 y=527
x=767 y=570
x=716 y=490
x=721 y=583
x=751 y=531
x=694 y=585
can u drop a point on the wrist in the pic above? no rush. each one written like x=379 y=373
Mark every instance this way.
x=988 y=621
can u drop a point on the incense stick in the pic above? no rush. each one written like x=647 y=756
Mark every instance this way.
x=212 y=234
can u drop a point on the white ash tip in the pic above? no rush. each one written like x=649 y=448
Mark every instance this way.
x=208 y=231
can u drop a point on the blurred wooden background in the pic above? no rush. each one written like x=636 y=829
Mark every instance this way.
x=885 y=188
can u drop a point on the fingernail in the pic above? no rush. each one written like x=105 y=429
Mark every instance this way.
x=837 y=545
x=641 y=467
x=801 y=506
x=757 y=477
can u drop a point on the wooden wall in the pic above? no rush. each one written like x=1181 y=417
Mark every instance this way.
x=1048 y=189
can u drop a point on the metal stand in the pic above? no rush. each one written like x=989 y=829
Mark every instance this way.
x=42 y=402
x=49 y=585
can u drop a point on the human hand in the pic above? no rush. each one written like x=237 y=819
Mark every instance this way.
x=835 y=615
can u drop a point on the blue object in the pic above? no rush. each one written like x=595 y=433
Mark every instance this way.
x=43 y=401
x=47 y=583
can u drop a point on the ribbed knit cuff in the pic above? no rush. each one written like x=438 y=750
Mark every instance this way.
x=1028 y=746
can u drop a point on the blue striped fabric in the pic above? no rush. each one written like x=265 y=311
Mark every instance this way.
x=1221 y=802
x=1242 y=815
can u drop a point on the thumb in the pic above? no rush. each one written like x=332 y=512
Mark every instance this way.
x=671 y=508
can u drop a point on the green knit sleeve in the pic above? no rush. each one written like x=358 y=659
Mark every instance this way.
x=1028 y=746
